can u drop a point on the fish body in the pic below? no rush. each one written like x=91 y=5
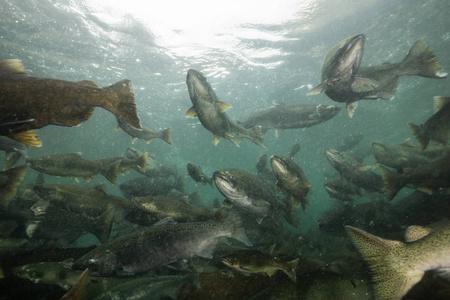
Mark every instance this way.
x=291 y=179
x=252 y=262
x=150 y=186
x=341 y=189
x=351 y=169
x=145 y=134
x=294 y=116
x=196 y=173
x=211 y=112
x=9 y=182
x=397 y=266
x=345 y=80
x=157 y=246
x=429 y=177
x=437 y=127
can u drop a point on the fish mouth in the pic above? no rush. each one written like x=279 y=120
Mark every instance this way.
x=334 y=156
x=351 y=56
x=278 y=165
x=224 y=183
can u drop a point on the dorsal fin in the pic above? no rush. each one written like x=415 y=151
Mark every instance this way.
x=415 y=232
x=439 y=102
x=11 y=67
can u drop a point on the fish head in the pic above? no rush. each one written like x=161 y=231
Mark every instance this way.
x=335 y=157
x=100 y=261
x=227 y=184
x=343 y=60
x=280 y=166
x=197 y=85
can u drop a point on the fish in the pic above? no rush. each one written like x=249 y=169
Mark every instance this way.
x=291 y=179
x=437 y=127
x=66 y=103
x=404 y=156
x=73 y=165
x=158 y=246
x=197 y=174
x=145 y=134
x=354 y=171
x=345 y=80
x=211 y=112
x=9 y=182
x=151 y=186
x=246 y=191
x=292 y=116
x=430 y=177
x=13 y=151
x=147 y=287
x=79 y=289
x=175 y=208
x=341 y=189
x=252 y=261
x=397 y=266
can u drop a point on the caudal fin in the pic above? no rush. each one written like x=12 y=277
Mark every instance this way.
x=393 y=182
x=9 y=182
x=112 y=171
x=257 y=135
x=121 y=102
x=421 y=61
x=392 y=274
x=166 y=136
x=420 y=135
x=291 y=269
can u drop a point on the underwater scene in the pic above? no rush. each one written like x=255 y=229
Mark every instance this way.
x=252 y=149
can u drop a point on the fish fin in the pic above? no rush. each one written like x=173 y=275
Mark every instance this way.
x=29 y=138
x=89 y=83
x=271 y=271
x=223 y=106
x=123 y=106
x=363 y=85
x=235 y=140
x=291 y=269
x=191 y=113
x=388 y=91
x=440 y=102
x=105 y=224
x=216 y=140
x=351 y=108
x=419 y=133
x=14 y=178
x=318 y=89
x=256 y=135
x=11 y=67
x=238 y=231
x=166 y=136
x=391 y=279
x=393 y=182
x=79 y=290
x=415 y=232
x=142 y=161
x=112 y=172
x=11 y=158
x=421 y=61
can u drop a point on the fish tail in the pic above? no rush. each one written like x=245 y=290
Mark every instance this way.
x=14 y=178
x=79 y=289
x=393 y=182
x=420 y=135
x=421 y=61
x=291 y=269
x=29 y=138
x=112 y=172
x=122 y=105
x=142 y=161
x=391 y=276
x=256 y=135
x=105 y=225
x=166 y=135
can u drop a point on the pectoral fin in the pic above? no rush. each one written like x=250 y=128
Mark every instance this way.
x=351 y=108
x=216 y=140
x=223 y=106
x=29 y=138
x=317 y=89
x=191 y=113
